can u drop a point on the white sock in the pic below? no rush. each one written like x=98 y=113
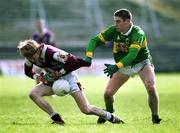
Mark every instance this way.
x=107 y=115
x=54 y=113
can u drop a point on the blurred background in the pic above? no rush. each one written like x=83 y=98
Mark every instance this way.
x=74 y=22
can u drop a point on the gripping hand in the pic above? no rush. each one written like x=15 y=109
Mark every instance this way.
x=49 y=77
x=110 y=69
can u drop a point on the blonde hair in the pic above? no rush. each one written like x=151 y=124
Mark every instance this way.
x=28 y=48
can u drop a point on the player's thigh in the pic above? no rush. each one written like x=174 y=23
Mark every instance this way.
x=42 y=90
x=115 y=83
x=147 y=75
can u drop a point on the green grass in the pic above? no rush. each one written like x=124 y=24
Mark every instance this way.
x=18 y=114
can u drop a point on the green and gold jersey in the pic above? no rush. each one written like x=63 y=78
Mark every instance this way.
x=128 y=49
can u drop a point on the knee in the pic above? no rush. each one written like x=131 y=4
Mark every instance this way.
x=150 y=85
x=86 y=110
x=108 y=94
x=33 y=94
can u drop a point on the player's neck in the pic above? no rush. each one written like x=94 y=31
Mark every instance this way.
x=128 y=29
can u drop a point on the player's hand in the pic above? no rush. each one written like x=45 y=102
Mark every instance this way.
x=88 y=60
x=57 y=74
x=49 y=77
x=39 y=77
x=110 y=69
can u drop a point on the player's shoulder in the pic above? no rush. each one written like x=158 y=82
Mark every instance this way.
x=47 y=52
x=109 y=30
x=49 y=49
x=137 y=30
x=112 y=28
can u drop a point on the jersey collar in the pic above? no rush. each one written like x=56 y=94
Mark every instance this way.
x=42 y=56
x=129 y=31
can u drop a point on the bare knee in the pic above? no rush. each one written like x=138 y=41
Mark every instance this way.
x=34 y=94
x=150 y=85
x=108 y=94
x=86 y=110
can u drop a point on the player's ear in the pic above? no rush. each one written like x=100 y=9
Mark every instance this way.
x=40 y=47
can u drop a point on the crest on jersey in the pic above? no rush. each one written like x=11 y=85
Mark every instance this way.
x=127 y=41
x=62 y=57
x=118 y=38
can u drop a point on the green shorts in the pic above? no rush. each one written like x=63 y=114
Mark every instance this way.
x=132 y=70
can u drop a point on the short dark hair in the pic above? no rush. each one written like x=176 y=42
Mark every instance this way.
x=123 y=13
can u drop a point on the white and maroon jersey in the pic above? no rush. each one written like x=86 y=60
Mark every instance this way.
x=52 y=58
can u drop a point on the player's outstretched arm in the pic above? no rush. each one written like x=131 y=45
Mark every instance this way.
x=88 y=60
x=74 y=62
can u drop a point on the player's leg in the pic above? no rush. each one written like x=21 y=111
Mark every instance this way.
x=112 y=87
x=37 y=94
x=147 y=75
x=89 y=109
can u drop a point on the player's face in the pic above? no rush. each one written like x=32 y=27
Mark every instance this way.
x=34 y=58
x=121 y=25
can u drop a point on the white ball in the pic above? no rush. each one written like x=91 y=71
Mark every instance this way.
x=61 y=87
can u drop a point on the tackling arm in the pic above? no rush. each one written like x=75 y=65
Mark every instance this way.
x=94 y=43
x=99 y=40
x=70 y=63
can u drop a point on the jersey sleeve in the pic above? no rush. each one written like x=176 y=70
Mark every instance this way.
x=60 y=56
x=138 y=41
x=101 y=39
x=28 y=69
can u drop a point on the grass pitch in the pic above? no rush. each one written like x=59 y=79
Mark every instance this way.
x=18 y=114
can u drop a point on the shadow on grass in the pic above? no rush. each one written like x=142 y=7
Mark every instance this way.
x=24 y=123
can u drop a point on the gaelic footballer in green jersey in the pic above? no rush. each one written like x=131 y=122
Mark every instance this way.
x=131 y=56
x=128 y=49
